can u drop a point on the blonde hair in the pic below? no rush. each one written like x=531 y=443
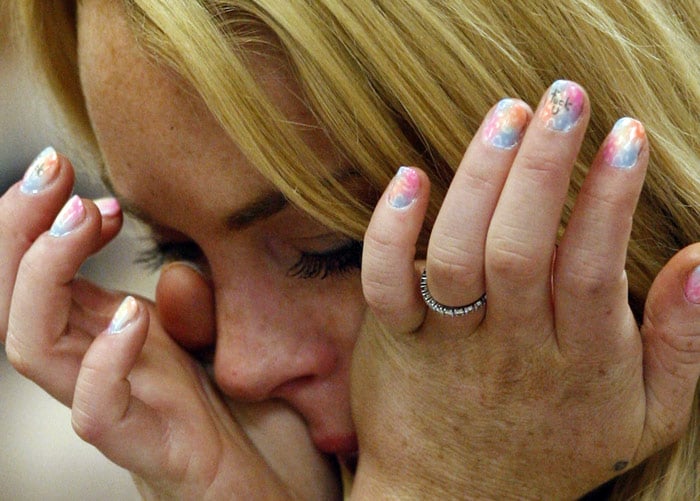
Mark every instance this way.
x=408 y=82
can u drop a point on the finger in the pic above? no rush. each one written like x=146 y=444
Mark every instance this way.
x=522 y=235
x=455 y=260
x=104 y=412
x=26 y=211
x=41 y=301
x=671 y=337
x=589 y=275
x=185 y=303
x=389 y=278
x=112 y=219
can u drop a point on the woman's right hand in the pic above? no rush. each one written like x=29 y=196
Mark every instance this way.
x=134 y=393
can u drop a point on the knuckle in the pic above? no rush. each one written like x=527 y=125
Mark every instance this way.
x=588 y=280
x=378 y=293
x=450 y=267
x=479 y=180
x=86 y=426
x=17 y=357
x=85 y=416
x=535 y=163
x=378 y=244
x=509 y=260
x=685 y=347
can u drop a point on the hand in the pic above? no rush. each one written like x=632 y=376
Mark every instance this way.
x=134 y=393
x=552 y=389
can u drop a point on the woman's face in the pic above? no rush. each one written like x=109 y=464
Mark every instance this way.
x=279 y=336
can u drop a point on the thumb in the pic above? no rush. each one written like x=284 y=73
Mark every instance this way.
x=671 y=337
x=185 y=303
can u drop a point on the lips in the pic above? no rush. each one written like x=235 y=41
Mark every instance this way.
x=340 y=445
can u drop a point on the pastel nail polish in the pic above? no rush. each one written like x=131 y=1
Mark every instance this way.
x=505 y=125
x=41 y=172
x=624 y=143
x=124 y=315
x=563 y=106
x=692 y=286
x=108 y=207
x=72 y=214
x=404 y=188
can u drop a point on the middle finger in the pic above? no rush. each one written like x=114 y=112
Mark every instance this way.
x=523 y=231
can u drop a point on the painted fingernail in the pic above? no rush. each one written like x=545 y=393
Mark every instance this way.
x=41 y=172
x=404 y=188
x=108 y=207
x=563 y=106
x=624 y=143
x=72 y=214
x=125 y=314
x=506 y=124
x=692 y=286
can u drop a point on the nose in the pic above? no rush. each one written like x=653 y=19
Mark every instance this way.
x=267 y=348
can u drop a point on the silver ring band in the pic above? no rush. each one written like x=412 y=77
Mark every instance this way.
x=450 y=311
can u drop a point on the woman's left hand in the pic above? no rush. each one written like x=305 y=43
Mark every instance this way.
x=551 y=389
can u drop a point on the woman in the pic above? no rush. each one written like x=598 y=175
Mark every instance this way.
x=255 y=138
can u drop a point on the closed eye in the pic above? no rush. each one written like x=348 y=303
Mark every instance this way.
x=333 y=262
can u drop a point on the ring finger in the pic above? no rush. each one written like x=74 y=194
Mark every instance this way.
x=455 y=260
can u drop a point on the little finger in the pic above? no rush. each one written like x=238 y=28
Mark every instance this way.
x=389 y=278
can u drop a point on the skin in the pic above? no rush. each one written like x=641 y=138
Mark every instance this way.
x=535 y=368
x=297 y=344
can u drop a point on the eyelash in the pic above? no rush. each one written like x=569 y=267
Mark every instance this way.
x=310 y=264
x=333 y=262
x=161 y=253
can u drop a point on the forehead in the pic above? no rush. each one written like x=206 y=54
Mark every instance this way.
x=161 y=145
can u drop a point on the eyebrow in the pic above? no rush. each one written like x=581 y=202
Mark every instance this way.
x=261 y=208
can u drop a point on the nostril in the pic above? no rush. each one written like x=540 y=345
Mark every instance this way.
x=292 y=386
x=242 y=386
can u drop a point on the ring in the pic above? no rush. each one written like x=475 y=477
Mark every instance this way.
x=450 y=311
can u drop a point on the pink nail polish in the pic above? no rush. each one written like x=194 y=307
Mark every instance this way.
x=563 y=106
x=505 y=125
x=125 y=314
x=692 y=286
x=624 y=143
x=108 y=207
x=404 y=188
x=41 y=172
x=72 y=214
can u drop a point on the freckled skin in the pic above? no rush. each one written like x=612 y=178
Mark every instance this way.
x=277 y=336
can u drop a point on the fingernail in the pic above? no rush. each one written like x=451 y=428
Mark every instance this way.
x=72 y=214
x=563 y=106
x=41 y=172
x=624 y=143
x=404 y=188
x=108 y=207
x=506 y=124
x=125 y=314
x=692 y=286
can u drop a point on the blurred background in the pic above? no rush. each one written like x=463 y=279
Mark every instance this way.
x=41 y=458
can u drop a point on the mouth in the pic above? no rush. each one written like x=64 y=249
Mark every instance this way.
x=349 y=461
x=338 y=445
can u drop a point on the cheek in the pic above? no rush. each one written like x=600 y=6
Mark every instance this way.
x=345 y=310
x=331 y=310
